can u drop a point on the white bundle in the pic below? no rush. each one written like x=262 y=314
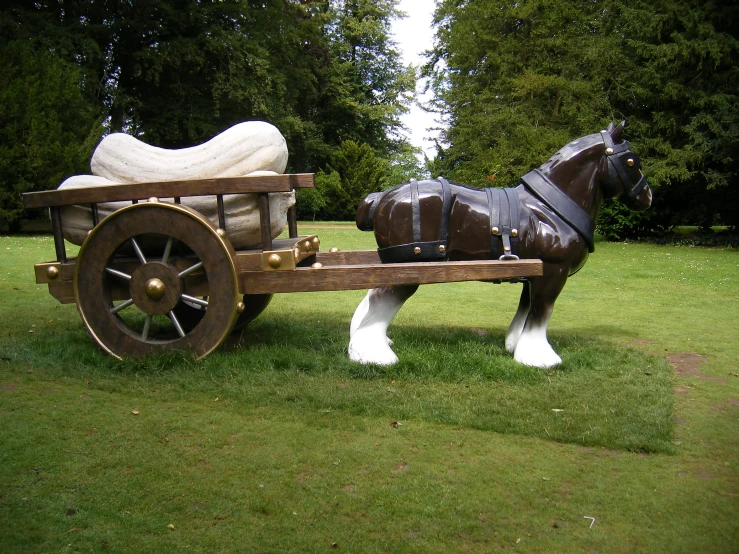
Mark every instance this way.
x=249 y=148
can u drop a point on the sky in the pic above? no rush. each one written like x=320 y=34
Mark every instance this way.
x=413 y=35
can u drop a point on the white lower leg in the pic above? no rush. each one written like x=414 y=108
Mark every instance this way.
x=369 y=343
x=533 y=348
x=515 y=329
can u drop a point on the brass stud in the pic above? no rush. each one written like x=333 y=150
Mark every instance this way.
x=296 y=253
x=240 y=307
x=630 y=162
x=52 y=272
x=154 y=288
x=514 y=232
x=220 y=232
x=416 y=250
x=274 y=261
x=442 y=249
x=316 y=242
x=334 y=249
x=609 y=151
x=154 y=199
x=495 y=230
x=317 y=265
x=306 y=246
x=507 y=248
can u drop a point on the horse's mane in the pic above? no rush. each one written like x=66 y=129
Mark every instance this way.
x=575 y=148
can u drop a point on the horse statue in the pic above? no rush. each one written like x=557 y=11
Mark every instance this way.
x=549 y=216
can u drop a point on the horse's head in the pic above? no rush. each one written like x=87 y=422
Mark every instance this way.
x=622 y=175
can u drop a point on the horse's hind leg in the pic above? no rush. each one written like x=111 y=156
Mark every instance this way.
x=368 y=341
x=519 y=320
x=533 y=348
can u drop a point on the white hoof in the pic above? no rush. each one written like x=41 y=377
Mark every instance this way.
x=371 y=351
x=535 y=353
x=511 y=340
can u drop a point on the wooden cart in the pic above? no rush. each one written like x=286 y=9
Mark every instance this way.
x=157 y=275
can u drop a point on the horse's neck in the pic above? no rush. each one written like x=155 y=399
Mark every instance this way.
x=576 y=176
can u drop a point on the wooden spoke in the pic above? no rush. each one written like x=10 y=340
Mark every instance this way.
x=194 y=300
x=147 y=325
x=137 y=249
x=176 y=323
x=190 y=269
x=167 y=250
x=122 y=306
x=117 y=273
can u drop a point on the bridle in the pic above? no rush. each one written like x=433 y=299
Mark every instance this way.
x=623 y=169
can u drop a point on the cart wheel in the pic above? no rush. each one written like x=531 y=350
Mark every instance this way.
x=130 y=304
x=254 y=304
x=189 y=314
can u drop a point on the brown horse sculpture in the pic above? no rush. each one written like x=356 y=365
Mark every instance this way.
x=549 y=216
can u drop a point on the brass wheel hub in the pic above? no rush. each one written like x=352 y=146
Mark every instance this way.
x=154 y=288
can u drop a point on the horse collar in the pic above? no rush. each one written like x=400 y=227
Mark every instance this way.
x=561 y=204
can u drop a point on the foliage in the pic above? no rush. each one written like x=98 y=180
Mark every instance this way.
x=361 y=171
x=47 y=129
x=519 y=80
x=176 y=73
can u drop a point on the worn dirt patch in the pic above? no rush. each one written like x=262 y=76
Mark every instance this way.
x=8 y=386
x=688 y=364
x=480 y=332
x=642 y=342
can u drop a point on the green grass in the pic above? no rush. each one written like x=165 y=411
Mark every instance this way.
x=277 y=443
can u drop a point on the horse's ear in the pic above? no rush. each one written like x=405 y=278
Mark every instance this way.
x=610 y=127
x=617 y=131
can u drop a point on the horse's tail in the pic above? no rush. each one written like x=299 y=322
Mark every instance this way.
x=366 y=211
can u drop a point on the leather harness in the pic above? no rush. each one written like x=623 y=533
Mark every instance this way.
x=503 y=207
x=417 y=250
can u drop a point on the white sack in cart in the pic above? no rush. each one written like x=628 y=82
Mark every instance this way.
x=252 y=147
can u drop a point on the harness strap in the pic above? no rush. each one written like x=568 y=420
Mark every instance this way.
x=504 y=220
x=417 y=250
x=561 y=204
x=416 y=211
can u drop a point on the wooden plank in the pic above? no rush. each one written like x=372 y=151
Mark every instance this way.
x=368 y=276
x=168 y=189
x=348 y=257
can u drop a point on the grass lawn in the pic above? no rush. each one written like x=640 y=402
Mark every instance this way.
x=277 y=443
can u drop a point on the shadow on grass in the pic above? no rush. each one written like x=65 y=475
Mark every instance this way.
x=602 y=394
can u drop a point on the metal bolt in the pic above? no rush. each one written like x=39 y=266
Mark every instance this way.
x=220 y=232
x=514 y=232
x=495 y=230
x=630 y=162
x=240 y=307
x=609 y=151
x=416 y=250
x=274 y=261
x=52 y=272
x=317 y=265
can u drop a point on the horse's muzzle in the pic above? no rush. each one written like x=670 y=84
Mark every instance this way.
x=641 y=200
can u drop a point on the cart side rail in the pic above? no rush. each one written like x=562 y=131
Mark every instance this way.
x=169 y=189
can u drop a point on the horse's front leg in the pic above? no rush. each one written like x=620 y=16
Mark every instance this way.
x=368 y=342
x=533 y=348
x=519 y=320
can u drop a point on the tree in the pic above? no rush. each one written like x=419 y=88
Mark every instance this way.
x=518 y=80
x=361 y=172
x=47 y=129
